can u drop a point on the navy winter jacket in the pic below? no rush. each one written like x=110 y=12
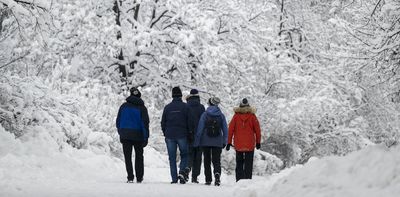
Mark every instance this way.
x=195 y=111
x=133 y=120
x=175 y=119
x=202 y=139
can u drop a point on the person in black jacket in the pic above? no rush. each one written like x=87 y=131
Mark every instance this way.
x=195 y=153
x=133 y=129
x=175 y=123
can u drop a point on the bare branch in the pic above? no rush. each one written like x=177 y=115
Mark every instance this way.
x=159 y=17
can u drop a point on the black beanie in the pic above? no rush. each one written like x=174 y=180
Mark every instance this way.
x=176 y=92
x=135 y=92
x=244 y=103
x=194 y=92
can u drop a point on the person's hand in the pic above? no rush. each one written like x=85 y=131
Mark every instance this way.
x=228 y=147
x=258 y=146
x=223 y=145
x=145 y=143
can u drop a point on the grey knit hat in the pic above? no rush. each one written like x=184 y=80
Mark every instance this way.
x=214 y=101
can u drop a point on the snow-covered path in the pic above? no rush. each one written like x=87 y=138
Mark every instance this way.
x=39 y=168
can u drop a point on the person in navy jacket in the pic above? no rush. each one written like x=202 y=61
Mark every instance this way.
x=175 y=125
x=196 y=109
x=212 y=145
x=133 y=129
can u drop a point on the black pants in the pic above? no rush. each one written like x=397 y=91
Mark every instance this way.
x=212 y=154
x=194 y=163
x=244 y=165
x=139 y=168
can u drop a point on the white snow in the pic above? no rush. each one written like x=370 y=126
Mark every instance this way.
x=371 y=172
x=38 y=167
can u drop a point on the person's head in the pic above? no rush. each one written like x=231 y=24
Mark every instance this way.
x=176 y=92
x=193 y=93
x=135 y=92
x=244 y=103
x=214 y=101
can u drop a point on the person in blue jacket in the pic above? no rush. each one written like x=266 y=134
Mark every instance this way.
x=133 y=129
x=196 y=109
x=212 y=137
x=175 y=125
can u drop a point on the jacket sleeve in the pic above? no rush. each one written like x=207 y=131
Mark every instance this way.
x=231 y=131
x=118 y=118
x=146 y=122
x=257 y=129
x=199 y=131
x=163 y=120
x=189 y=121
x=224 y=129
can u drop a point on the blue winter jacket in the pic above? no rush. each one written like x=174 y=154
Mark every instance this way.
x=175 y=119
x=133 y=120
x=202 y=139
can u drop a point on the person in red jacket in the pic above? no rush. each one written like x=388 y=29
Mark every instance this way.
x=244 y=130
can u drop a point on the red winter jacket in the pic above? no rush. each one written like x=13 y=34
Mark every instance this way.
x=244 y=129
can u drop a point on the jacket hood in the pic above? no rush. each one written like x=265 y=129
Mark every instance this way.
x=244 y=110
x=134 y=100
x=214 y=111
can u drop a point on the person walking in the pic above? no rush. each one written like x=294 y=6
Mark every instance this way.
x=196 y=109
x=133 y=129
x=245 y=131
x=175 y=123
x=211 y=136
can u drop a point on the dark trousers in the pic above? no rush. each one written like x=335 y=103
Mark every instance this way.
x=139 y=167
x=212 y=154
x=244 y=165
x=194 y=163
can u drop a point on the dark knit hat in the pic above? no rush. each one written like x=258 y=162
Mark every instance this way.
x=193 y=93
x=244 y=103
x=176 y=92
x=135 y=92
x=214 y=101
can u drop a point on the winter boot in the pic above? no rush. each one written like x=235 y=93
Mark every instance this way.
x=194 y=180
x=186 y=174
x=217 y=179
x=129 y=181
x=181 y=179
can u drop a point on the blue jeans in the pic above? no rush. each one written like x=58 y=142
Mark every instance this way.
x=172 y=144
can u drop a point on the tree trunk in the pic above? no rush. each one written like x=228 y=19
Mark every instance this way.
x=120 y=56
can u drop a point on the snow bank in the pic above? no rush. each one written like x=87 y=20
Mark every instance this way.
x=374 y=171
x=39 y=166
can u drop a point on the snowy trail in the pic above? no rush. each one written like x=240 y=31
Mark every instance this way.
x=38 y=167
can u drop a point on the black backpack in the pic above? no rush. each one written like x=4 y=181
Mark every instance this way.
x=213 y=126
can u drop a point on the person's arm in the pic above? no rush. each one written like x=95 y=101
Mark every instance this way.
x=163 y=121
x=118 y=118
x=231 y=129
x=224 y=129
x=257 y=129
x=146 y=122
x=200 y=128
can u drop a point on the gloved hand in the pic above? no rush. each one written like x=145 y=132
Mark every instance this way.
x=145 y=143
x=228 y=147
x=258 y=146
x=223 y=145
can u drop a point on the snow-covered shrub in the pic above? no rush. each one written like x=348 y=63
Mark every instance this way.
x=29 y=107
